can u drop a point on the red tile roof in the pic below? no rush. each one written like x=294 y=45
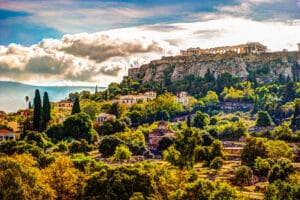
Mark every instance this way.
x=5 y=132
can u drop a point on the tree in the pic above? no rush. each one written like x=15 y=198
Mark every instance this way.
x=108 y=145
x=279 y=190
x=243 y=175
x=20 y=179
x=199 y=189
x=46 y=112
x=37 y=110
x=79 y=126
x=81 y=146
x=296 y=117
x=201 y=120
x=64 y=179
x=290 y=92
x=216 y=163
x=223 y=191
x=255 y=147
x=183 y=152
x=56 y=132
x=122 y=153
x=76 y=106
x=264 y=119
x=281 y=170
x=262 y=166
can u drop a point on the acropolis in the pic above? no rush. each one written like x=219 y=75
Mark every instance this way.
x=253 y=47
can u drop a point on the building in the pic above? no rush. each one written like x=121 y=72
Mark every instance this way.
x=63 y=105
x=131 y=99
x=7 y=135
x=252 y=47
x=103 y=117
x=155 y=136
x=182 y=97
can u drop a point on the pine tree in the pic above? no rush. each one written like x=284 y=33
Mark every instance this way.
x=46 y=112
x=37 y=110
x=76 y=107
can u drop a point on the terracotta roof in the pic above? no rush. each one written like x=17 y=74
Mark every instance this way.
x=5 y=132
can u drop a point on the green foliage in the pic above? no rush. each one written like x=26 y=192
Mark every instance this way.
x=119 y=183
x=182 y=153
x=264 y=119
x=56 y=132
x=290 y=92
x=164 y=143
x=46 y=112
x=91 y=108
x=243 y=175
x=223 y=191
x=262 y=166
x=62 y=146
x=122 y=153
x=108 y=145
x=79 y=126
x=200 y=120
x=255 y=147
x=37 y=110
x=81 y=146
x=20 y=180
x=40 y=139
x=76 y=107
x=112 y=126
x=281 y=190
x=296 y=117
x=216 y=163
x=281 y=170
x=234 y=131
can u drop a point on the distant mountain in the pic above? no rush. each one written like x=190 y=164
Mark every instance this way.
x=12 y=94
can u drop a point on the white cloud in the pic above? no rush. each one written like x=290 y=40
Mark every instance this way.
x=104 y=57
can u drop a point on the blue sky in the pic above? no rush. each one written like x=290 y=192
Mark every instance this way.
x=29 y=21
x=88 y=42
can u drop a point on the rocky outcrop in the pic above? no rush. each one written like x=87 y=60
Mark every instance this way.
x=265 y=65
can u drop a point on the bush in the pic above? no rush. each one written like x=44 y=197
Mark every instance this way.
x=243 y=175
x=216 y=163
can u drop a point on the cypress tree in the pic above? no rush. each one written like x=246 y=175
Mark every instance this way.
x=37 y=110
x=96 y=89
x=296 y=118
x=76 y=107
x=46 y=112
x=290 y=92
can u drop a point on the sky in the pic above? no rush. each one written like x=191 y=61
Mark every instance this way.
x=89 y=42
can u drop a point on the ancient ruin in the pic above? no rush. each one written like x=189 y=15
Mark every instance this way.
x=253 y=47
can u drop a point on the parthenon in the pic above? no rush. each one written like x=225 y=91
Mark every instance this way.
x=253 y=47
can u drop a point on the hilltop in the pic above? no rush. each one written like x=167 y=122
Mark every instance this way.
x=265 y=66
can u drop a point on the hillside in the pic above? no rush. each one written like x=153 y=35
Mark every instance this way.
x=266 y=66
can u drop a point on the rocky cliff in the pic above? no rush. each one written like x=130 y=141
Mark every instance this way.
x=266 y=66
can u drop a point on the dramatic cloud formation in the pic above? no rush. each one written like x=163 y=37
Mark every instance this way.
x=156 y=28
x=106 y=56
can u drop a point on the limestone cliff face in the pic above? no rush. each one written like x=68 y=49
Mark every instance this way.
x=266 y=66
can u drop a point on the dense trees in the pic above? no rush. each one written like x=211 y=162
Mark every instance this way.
x=182 y=153
x=263 y=119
